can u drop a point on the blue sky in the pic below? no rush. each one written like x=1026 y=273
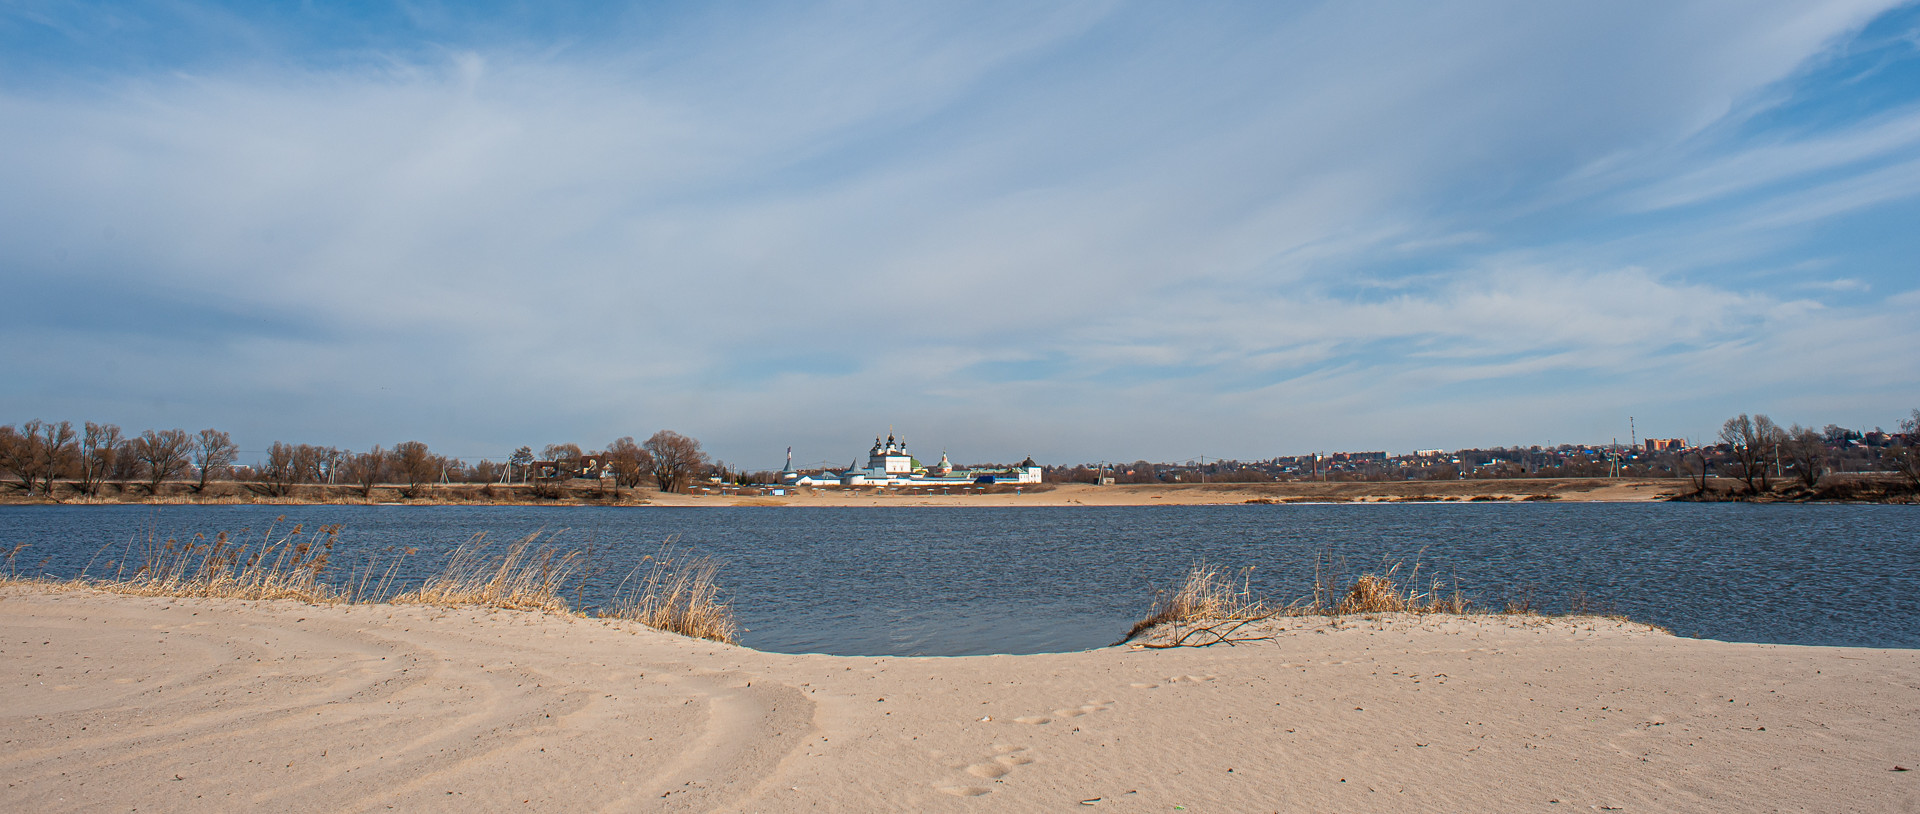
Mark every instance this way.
x=1079 y=231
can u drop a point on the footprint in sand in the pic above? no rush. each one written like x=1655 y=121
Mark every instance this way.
x=990 y=771
x=995 y=768
x=1090 y=706
x=1017 y=759
x=1147 y=685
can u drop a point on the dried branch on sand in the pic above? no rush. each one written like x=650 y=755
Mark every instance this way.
x=1209 y=596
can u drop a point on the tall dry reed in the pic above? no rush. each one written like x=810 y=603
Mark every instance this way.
x=286 y=566
x=10 y=572
x=528 y=575
x=679 y=594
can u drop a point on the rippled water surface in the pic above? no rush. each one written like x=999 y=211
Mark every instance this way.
x=952 y=581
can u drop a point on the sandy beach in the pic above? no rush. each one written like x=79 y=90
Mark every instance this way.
x=111 y=701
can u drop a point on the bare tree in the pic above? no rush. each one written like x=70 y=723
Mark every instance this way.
x=213 y=452
x=126 y=464
x=162 y=455
x=630 y=463
x=565 y=458
x=1694 y=466
x=416 y=466
x=55 y=453
x=16 y=455
x=675 y=459
x=1806 y=449
x=98 y=447
x=1740 y=434
x=519 y=461
x=332 y=461
x=309 y=463
x=1905 y=457
x=1769 y=438
x=25 y=455
x=277 y=475
x=367 y=469
x=486 y=471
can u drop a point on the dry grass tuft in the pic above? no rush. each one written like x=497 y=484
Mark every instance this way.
x=1209 y=597
x=1370 y=593
x=528 y=575
x=679 y=594
x=1207 y=594
x=283 y=567
x=1373 y=592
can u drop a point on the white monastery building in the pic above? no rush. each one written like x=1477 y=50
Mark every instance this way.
x=889 y=464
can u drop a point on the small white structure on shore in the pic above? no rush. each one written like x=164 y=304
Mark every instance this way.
x=889 y=464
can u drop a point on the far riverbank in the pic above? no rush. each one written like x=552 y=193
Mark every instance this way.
x=1860 y=489
x=593 y=493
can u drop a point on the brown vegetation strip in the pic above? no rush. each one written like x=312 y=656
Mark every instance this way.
x=678 y=592
x=1210 y=608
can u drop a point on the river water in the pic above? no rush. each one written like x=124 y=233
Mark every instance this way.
x=958 y=581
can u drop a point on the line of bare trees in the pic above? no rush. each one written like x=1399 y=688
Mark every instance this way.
x=48 y=458
x=667 y=458
x=1756 y=450
x=39 y=456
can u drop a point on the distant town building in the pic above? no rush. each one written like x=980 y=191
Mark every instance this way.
x=1666 y=444
x=1376 y=457
x=787 y=474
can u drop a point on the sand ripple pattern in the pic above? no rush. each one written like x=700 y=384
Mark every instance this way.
x=225 y=708
x=126 y=703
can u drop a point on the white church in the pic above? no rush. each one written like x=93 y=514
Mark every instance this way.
x=889 y=464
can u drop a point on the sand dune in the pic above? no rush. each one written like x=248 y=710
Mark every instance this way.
x=124 y=702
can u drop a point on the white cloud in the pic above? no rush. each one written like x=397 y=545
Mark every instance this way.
x=1772 y=163
x=1306 y=218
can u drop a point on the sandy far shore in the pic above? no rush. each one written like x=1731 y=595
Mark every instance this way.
x=1570 y=490
x=585 y=493
x=115 y=702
